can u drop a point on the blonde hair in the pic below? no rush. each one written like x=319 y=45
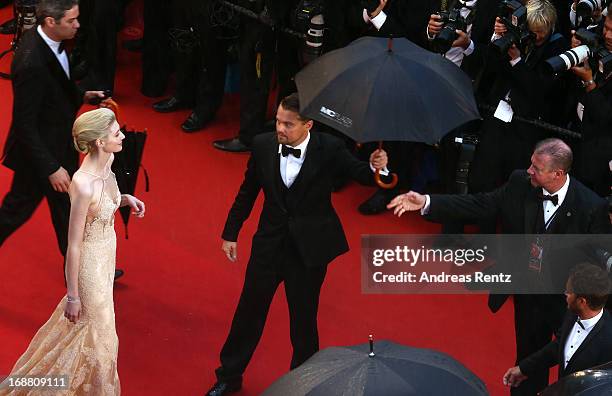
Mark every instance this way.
x=541 y=13
x=91 y=126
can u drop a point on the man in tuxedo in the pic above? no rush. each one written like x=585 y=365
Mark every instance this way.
x=544 y=199
x=585 y=338
x=39 y=147
x=299 y=233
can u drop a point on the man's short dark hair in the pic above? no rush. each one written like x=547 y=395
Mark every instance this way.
x=55 y=9
x=592 y=283
x=292 y=103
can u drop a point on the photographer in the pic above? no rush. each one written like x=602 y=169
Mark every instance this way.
x=522 y=87
x=590 y=103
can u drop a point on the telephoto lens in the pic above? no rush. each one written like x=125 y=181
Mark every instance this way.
x=568 y=59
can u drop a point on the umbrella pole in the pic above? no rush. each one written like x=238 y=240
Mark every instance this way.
x=379 y=182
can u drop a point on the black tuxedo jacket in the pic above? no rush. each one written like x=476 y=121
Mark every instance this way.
x=305 y=212
x=517 y=205
x=596 y=349
x=45 y=105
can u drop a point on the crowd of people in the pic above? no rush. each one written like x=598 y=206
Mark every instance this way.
x=526 y=167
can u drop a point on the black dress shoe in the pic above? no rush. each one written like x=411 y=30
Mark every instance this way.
x=194 y=123
x=377 y=203
x=233 y=145
x=118 y=273
x=221 y=388
x=168 y=105
x=8 y=27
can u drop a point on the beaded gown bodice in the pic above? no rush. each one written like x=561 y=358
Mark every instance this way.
x=86 y=351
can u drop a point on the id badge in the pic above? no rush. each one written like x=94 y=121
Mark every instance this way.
x=504 y=111
x=535 y=256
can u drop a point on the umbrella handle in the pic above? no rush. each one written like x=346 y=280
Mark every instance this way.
x=382 y=184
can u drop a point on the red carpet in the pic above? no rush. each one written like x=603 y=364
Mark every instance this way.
x=176 y=301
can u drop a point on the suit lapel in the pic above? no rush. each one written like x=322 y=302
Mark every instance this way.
x=271 y=169
x=55 y=67
x=565 y=211
x=592 y=334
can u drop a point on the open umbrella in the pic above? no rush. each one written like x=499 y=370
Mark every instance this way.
x=596 y=382
x=391 y=369
x=378 y=89
x=127 y=163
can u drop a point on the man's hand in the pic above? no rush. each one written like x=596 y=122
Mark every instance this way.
x=583 y=72
x=514 y=377
x=231 y=250
x=90 y=96
x=434 y=27
x=60 y=180
x=575 y=41
x=410 y=201
x=374 y=13
x=378 y=159
x=500 y=29
x=463 y=40
x=514 y=52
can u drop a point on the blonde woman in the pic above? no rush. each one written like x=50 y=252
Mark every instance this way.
x=79 y=341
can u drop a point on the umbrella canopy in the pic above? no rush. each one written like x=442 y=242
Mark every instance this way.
x=393 y=370
x=386 y=89
x=583 y=383
x=126 y=165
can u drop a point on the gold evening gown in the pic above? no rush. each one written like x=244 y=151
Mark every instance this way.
x=86 y=351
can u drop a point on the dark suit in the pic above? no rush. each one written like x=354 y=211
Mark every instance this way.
x=40 y=141
x=299 y=233
x=537 y=317
x=596 y=349
x=534 y=94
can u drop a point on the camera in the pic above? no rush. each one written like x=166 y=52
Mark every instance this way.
x=452 y=21
x=513 y=14
x=585 y=10
x=309 y=19
x=591 y=47
x=25 y=17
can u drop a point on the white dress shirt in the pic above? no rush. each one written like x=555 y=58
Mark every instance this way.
x=549 y=208
x=577 y=336
x=289 y=165
x=54 y=45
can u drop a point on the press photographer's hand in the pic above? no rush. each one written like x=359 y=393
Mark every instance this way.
x=435 y=25
x=500 y=29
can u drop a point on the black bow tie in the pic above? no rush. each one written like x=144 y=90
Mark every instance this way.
x=286 y=150
x=552 y=198
x=579 y=323
x=61 y=48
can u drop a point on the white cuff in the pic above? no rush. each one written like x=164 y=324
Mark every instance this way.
x=470 y=49
x=515 y=61
x=384 y=171
x=425 y=209
x=379 y=20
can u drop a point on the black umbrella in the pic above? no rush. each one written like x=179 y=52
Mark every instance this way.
x=584 y=383
x=127 y=162
x=392 y=369
x=126 y=165
x=379 y=89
